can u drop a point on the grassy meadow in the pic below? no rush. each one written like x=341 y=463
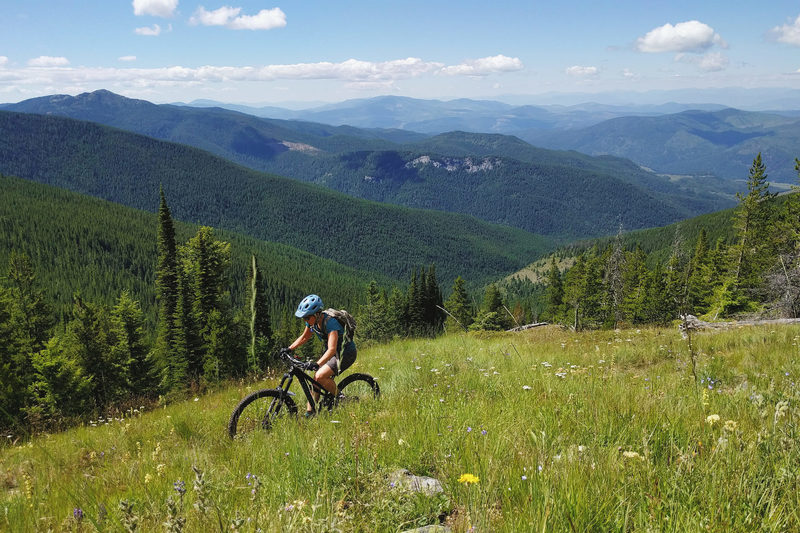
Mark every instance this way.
x=558 y=431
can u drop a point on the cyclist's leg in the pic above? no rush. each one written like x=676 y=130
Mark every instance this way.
x=324 y=377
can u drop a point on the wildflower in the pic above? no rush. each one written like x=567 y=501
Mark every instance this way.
x=524 y=478
x=526 y=387
x=180 y=487
x=632 y=455
x=706 y=403
x=147 y=478
x=730 y=425
x=484 y=432
x=401 y=442
x=77 y=514
x=712 y=419
x=160 y=469
x=468 y=479
x=540 y=468
x=469 y=429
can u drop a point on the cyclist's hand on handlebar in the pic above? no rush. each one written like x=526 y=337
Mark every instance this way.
x=310 y=365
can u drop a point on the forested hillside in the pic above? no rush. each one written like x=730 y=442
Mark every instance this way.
x=530 y=183
x=739 y=262
x=128 y=169
x=83 y=245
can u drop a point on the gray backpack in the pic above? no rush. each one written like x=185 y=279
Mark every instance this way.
x=345 y=319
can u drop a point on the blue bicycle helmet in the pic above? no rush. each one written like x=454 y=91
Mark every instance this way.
x=310 y=305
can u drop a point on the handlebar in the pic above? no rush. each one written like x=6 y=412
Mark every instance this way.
x=288 y=358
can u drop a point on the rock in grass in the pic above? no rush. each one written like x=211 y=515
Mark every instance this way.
x=423 y=484
x=430 y=529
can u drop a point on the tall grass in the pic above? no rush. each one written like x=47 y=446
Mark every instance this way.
x=593 y=431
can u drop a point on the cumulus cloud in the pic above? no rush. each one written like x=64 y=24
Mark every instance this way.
x=48 y=61
x=3 y=61
x=691 y=36
x=710 y=62
x=787 y=33
x=484 y=66
x=581 y=71
x=149 y=31
x=157 y=8
x=230 y=17
x=127 y=59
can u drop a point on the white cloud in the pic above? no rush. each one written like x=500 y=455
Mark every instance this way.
x=581 y=71
x=484 y=66
x=788 y=33
x=710 y=62
x=629 y=74
x=127 y=58
x=148 y=31
x=157 y=8
x=230 y=17
x=355 y=73
x=3 y=61
x=48 y=61
x=691 y=36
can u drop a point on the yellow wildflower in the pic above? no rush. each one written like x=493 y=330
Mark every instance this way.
x=468 y=479
x=160 y=469
x=147 y=478
x=730 y=425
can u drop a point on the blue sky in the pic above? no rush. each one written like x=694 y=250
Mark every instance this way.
x=305 y=50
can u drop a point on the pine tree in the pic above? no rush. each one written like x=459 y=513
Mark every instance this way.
x=555 y=292
x=751 y=254
x=166 y=295
x=13 y=372
x=434 y=316
x=128 y=324
x=415 y=312
x=397 y=321
x=634 y=282
x=459 y=306
x=373 y=319
x=260 y=325
x=698 y=290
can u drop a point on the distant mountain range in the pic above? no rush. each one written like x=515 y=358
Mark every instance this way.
x=723 y=142
x=672 y=138
x=436 y=116
x=128 y=168
x=495 y=177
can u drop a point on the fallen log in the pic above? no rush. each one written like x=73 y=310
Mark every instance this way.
x=692 y=323
x=528 y=326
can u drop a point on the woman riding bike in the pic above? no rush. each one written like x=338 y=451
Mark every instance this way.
x=338 y=355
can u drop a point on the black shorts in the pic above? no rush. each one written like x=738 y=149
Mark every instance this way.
x=349 y=353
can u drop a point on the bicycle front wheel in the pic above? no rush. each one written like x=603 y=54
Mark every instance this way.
x=259 y=411
x=358 y=388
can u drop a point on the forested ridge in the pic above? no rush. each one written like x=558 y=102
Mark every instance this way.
x=78 y=244
x=126 y=168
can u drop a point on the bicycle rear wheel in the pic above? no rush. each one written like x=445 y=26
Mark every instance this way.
x=259 y=411
x=358 y=388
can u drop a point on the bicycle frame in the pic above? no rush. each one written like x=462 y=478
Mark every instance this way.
x=306 y=383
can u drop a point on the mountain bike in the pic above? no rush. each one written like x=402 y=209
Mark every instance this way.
x=260 y=409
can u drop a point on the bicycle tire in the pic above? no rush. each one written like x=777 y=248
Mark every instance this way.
x=273 y=404
x=367 y=387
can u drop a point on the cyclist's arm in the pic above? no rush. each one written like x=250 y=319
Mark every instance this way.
x=333 y=341
x=302 y=339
